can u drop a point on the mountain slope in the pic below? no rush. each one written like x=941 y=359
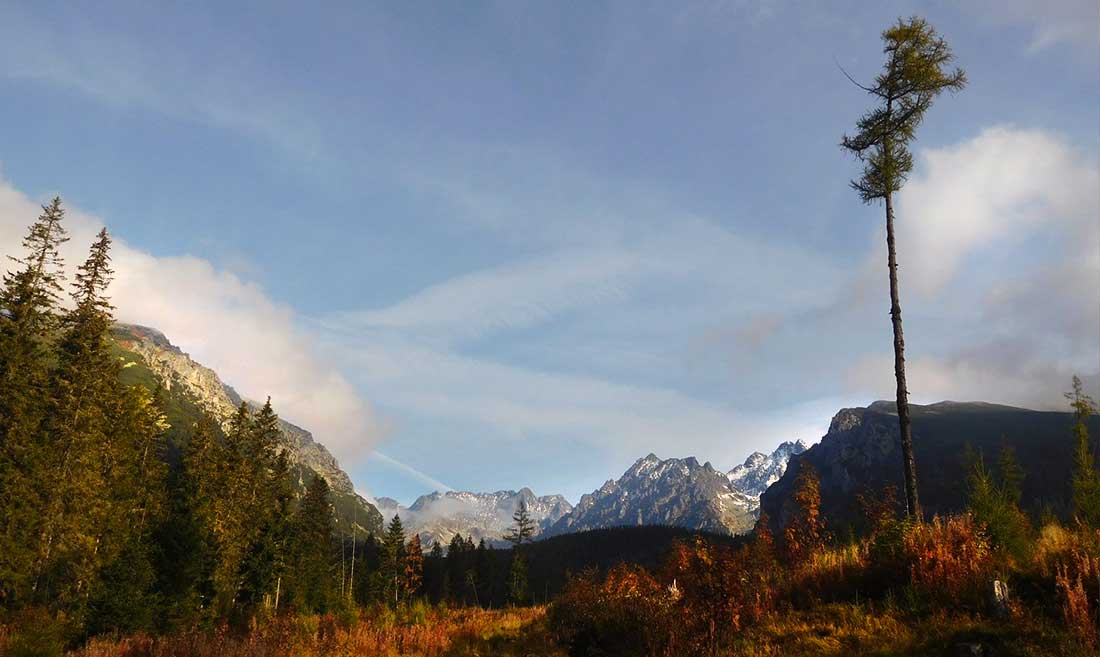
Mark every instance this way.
x=861 y=454
x=676 y=492
x=437 y=517
x=192 y=389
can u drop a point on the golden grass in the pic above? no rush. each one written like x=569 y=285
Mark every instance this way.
x=845 y=630
x=436 y=633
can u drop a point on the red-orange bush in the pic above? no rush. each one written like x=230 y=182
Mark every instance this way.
x=950 y=561
x=628 y=614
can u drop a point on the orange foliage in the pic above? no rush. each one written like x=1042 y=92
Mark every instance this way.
x=629 y=613
x=376 y=634
x=1077 y=580
x=805 y=533
x=950 y=561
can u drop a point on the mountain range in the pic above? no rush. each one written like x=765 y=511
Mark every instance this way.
x=438 y=516
x=681 y=493
x=191 y=389
x=861 y=455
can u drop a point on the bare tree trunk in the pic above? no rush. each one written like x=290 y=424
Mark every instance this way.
x=911 y=502
x=351 y=585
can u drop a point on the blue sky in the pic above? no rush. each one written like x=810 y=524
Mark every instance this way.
x=490 y=245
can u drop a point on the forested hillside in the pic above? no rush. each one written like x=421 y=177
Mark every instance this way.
x=124 y=505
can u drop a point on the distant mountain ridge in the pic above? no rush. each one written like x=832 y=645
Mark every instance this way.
x=861 y=454
x=762 y=470
x=438 y=516
x=681 y=493
x=189 y=384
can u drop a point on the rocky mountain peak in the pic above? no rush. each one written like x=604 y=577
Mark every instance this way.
x=438 y=516
x=762 y=470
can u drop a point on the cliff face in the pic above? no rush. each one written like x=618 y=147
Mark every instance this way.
x=861 y=454
x=201 y=387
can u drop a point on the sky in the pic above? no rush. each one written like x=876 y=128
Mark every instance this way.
x=488 y=245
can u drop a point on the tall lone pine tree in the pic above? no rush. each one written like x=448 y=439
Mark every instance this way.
x=913 y=76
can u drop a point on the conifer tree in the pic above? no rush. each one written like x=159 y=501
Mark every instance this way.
x=1086 y=477
x=233 y=522
x=83 y=393
x=28 y=323
x=524 y=527
x=914 y=75
x=995 y=504
x=194 y=534
x=517 y=579
x=312 y=549
x=435 y=573
x=28 y=320
x=123 y=599
x=393 y=561
x=267 y=490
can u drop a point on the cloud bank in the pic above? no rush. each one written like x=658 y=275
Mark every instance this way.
x=228 y=324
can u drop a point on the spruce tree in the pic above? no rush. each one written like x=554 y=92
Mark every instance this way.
x=915 y=74
x=312 y=572
x=517 y=579
x=394 y=554
x=524 y=527
x=85 y=385
x=232 y=522
x=1086 y=476
x=28 y=324
x=520 y=533
x=194 y=534
x=123 y=599
x=267 y=488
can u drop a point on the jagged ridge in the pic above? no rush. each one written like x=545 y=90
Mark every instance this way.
x=438 y=516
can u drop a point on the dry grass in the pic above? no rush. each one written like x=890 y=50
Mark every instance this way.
x=845 y=630
x=436 y=633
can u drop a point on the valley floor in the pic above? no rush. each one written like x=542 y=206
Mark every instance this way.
x=832 y=630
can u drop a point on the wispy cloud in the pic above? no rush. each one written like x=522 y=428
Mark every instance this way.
x=224 y=89
x=503 y=299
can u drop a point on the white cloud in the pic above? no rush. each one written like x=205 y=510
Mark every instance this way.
x=225 y=323
x=1004 y=186
x=999 y=257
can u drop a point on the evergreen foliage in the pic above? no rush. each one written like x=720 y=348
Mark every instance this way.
x=394 y=555
x=1086 y=475
x=995 y=504
x=101 y=528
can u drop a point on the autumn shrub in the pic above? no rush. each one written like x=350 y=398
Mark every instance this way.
x=805 y=531
x=1069 y=558
x=628 y=614
x=950 y=562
